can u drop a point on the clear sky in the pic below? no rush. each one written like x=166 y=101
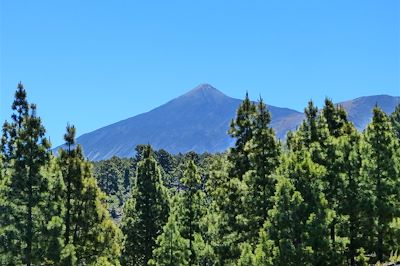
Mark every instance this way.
x=95 y=62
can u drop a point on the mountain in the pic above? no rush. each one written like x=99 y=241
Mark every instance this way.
x=199 y=121
x=360 y=110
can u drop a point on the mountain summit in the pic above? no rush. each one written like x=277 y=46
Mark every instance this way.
x=198 y=121
x=205 y=90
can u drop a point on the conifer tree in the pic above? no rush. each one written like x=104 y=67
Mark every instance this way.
x=172 y=247
x=285 y=228
x=298 y=222
x=354 y=193
x=336 y=118
x=264 y=152
x=26 y=152
x=90 y=234
x=145 y=213
x=319 y=133
x=192 y=201
x=395 y=119
x=380 y=166
x=241 y=130
x=226 y=212
x=246 y=257
x=309 y=128
x=231 y=218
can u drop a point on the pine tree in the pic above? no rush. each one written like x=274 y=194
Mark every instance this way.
x=354 y=192
x=380 y=166
x=246 y=257
x=225 y=212
x=192 y=202
x=27 y=156
x=90 y=233
x=241 y=130
x=145 y=213
x=265 y=251
x=263 y=152
x=298 y=222
x=9 y=250
x=338 y=126
x=113 y=178
x=285 y=228
x=172 y=248
x=309 y=128
x=395 y=119
x=319 y=134
x=336 y=118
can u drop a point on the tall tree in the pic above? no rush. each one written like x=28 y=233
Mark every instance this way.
x=298 y=222
x=309 y=128
x=172 y=247
x=90 y=234
x=26 y=152
x=354 y=193
x=380 y=166
x=336 y=124
x=336 y=118
x=263 y=152
x=225 y=212
x=192 y=207
x=241 y=130
x=395 y=119
x=145 y=213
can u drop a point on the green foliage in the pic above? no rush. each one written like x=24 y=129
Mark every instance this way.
x=331 y=197
x=145 y=213
x=241 y=130
x=299 y=220
x=380 y=169
x=246 y=255
x=90 y=233
x=395 y=119
x=114 y=178
x=263 y=152
x=192 y=202
x=28 y=226
x=172 y=249
x=227 y=196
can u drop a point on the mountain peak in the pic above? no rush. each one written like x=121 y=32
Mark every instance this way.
x=205 y=90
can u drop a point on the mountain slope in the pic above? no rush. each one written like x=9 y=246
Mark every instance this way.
x=360 y=109
x=199 y=121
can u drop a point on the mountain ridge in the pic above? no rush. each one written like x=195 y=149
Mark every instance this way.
x=198 y=120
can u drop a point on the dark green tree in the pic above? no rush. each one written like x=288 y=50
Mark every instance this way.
x=90 y=234
x=241 y=131
x=145 y=213
x=192 y=202
x=354 y=193
x=263 y=152
x=336 y=118
x=172 y=247
x=225 y=216
x=298 y=224
x=395 y=119
x=380 y=166
x=27 y=157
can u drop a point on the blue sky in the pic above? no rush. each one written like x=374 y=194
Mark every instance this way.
x=92 y=63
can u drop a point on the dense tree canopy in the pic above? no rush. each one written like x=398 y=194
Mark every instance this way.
x=327 y=195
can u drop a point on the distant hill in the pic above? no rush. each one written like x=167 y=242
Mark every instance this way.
x=360 y=110
x=198 y=121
